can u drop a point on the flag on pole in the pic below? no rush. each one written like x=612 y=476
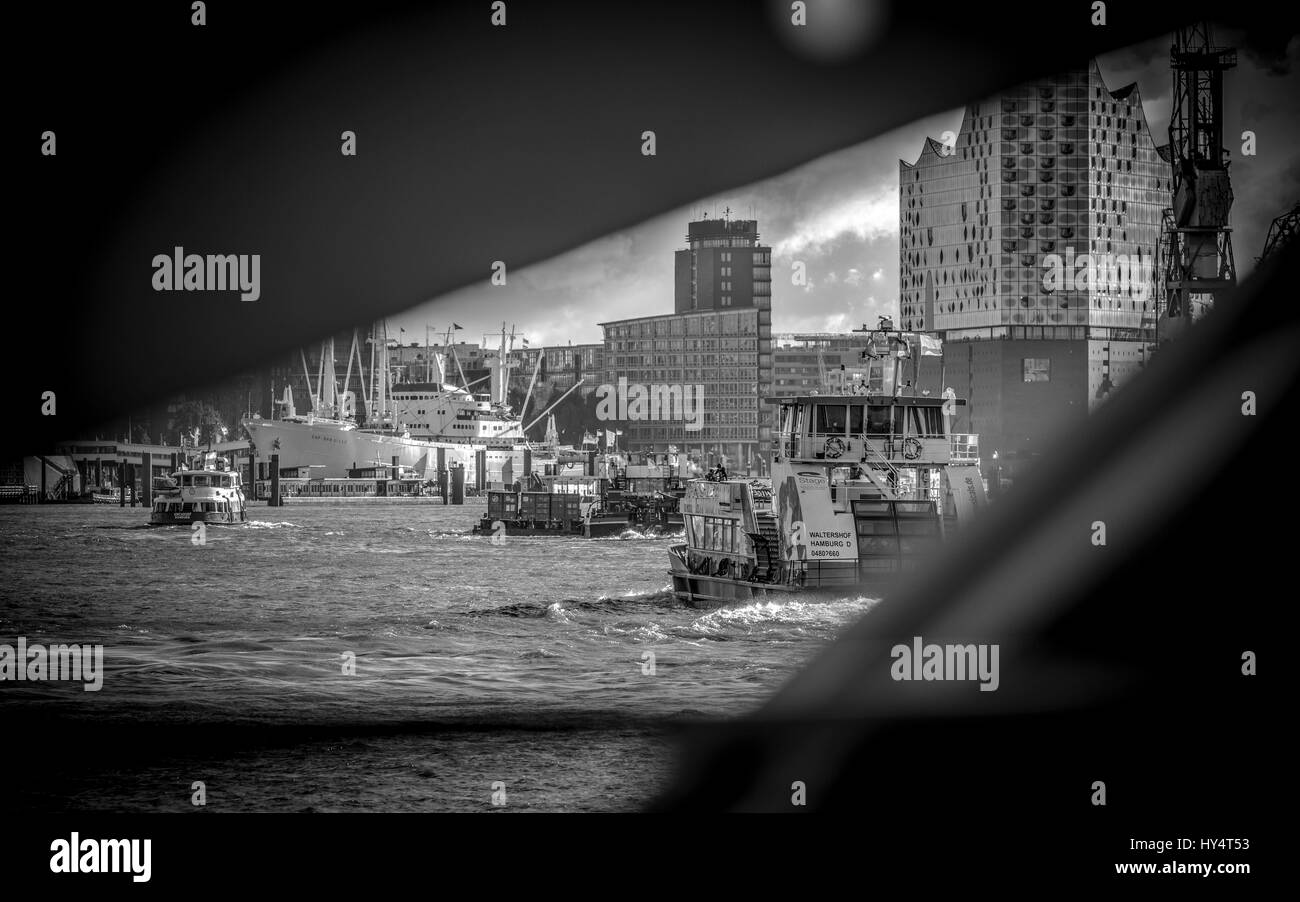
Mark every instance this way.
x=456 y=325
x=931 y=346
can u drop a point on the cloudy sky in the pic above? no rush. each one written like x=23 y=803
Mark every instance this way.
x=839 y=215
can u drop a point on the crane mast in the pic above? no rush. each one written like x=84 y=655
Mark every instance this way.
x=1196 y=241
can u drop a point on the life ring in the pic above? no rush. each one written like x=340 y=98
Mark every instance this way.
x=912 y=447
x=834 y=447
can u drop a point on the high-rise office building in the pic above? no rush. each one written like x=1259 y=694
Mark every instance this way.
x=723 y=266
x=1029 y=246
x=718 y=337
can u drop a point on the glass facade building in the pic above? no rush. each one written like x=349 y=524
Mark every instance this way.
x=1029 y=245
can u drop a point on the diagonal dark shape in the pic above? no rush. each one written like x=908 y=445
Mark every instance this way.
x=1119 y=663
x=476 y=144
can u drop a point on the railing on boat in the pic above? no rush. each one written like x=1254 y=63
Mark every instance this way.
x=885 y=450
x=896 y=449
x=965 y=448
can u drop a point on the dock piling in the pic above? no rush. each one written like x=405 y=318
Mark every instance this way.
x=458 y=485
x=274 y=500
x=146 y=482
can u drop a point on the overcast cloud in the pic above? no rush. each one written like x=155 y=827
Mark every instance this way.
x=839 y=215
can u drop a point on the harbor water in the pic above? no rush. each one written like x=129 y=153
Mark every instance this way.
x=367 y=657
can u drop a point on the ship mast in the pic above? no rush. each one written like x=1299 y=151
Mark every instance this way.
x=329 y=379
x=455 y=356
x=379 y=381
x=501 y=365
x=347 y=379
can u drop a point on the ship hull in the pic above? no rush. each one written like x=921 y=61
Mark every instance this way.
x=704 y=590
x=209 y=518
x=335 y=451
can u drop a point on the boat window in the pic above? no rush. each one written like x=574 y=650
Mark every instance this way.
x=225 y=482
x=200 y=480
x=187 y=480
x=877 y=420
x=926 y=421
x=696 y=526
x=831 y=418
x=188 y=507
x=855 y=419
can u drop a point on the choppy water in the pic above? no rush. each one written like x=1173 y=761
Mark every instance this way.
x=474 y=663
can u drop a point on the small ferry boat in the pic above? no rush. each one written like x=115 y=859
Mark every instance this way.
x=208 y=491
x=863 y=488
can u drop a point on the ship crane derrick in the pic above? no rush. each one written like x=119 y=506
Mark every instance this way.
x=1283 y=230
x=1196 y=241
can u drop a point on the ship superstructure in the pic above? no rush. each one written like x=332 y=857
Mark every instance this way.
x=863 y=489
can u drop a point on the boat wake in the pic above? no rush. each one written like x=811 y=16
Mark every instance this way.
x=634 y=602
x=631 y=534
x=807 y=614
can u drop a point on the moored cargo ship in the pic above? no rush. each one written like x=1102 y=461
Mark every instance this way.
x=424 y=427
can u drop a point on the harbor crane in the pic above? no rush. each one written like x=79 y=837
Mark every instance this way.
x=1283 y=229
x=1195 y=241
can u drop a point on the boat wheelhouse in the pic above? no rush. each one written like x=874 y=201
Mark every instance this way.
x=210 y=491
x=863 y=488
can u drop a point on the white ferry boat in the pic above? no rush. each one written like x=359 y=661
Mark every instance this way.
x=209 y=492
x=863 y=489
